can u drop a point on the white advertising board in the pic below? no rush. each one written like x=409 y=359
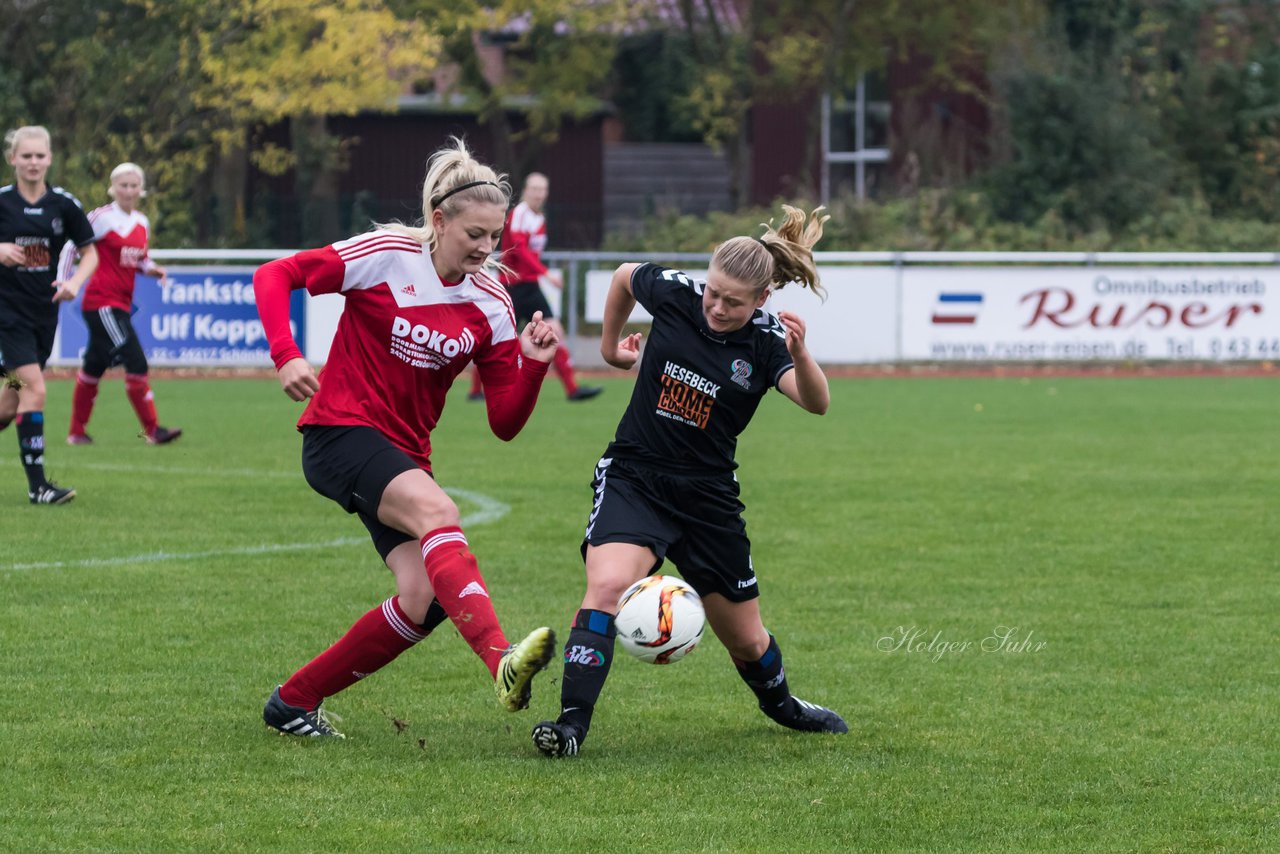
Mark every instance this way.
x=1085 y=313
x=857 y=323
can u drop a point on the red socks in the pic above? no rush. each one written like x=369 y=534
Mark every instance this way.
x=373 y=642
x=381 y=635
x=139 y=391
x=563 y=363
x=455 y=577
x=82 y=399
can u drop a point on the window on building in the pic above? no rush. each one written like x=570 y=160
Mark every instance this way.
x=855 y=140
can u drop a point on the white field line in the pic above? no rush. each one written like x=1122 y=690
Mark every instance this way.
x=487 y=510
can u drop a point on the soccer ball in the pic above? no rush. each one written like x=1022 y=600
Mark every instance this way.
x=660 y=619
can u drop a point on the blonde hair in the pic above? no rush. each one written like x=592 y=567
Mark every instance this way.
x=124 y=169
x=781 y=256
x=13 y=137
x=448 y=170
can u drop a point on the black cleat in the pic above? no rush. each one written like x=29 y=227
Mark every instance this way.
x=556 y=739
x=291 y=720
x=162 y=435
x=475 y=395
x=50 y=493
x=811 y=718
x=585 y=392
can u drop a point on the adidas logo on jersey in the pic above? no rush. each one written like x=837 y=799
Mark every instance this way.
x=473 y=589
x=408 y=289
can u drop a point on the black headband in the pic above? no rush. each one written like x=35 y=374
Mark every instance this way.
x=435 y=203
x=760 y=240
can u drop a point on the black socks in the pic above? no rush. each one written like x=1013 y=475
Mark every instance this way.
x=588 y=653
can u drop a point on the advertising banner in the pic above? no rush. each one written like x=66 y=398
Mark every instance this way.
x=856 y=323
x=203 y=317
x=1086 y=313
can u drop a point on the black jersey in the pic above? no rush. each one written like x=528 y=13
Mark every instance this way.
x=41 y=229
x=697 y=389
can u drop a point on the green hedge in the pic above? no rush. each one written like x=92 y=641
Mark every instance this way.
x=963 y=220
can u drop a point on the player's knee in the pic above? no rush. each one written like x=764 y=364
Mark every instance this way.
x=745 y=646
x=415 y=597
x=604 y=591
x=431 y=511
x=33 y=398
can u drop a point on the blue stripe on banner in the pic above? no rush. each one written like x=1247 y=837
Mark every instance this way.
x=959 y=297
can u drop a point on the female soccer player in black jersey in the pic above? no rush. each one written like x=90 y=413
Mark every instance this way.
x=36 y=221
x=666 y=488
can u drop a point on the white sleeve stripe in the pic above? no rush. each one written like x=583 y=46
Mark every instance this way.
x=356 y=256
x=505 y=299
x=377 y=238
x=67 y=262
x=492 y=288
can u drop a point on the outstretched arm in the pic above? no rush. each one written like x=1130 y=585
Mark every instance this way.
x=272 y=284
x=806 y=384
x=512 y=380
x=66 y=290
x=618 y=305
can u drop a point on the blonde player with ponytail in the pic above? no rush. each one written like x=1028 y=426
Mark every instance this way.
x=421 y=306
x=665 y=488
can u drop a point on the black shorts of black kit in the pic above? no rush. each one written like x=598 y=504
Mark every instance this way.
x=695 y=521
x=25 y=341
x=352 y=466
x=112 y=342
x=526 y=298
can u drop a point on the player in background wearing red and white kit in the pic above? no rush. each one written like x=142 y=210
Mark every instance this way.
x=419 y=309
x=122 y=233
x=523 y=241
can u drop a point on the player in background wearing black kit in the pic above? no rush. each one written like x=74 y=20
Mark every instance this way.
x=666 y=486
x=36 y=221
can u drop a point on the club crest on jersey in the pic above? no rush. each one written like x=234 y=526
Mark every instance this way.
x=741 y=373
x=424 y=347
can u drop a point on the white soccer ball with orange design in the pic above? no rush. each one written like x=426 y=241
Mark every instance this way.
x=660 y=619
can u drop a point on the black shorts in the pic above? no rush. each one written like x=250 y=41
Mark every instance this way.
x=352 y=466
x=695 y=520
x=526 y=298
x=24 y=341
x=112 y=342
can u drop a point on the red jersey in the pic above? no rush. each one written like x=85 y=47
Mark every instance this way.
x=523 y=240
x=403 y=336
x=122 y=254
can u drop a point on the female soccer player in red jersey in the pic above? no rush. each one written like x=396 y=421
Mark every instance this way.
x=666 y=488
x=122 y=233
x=420 y=307
x=36 y=220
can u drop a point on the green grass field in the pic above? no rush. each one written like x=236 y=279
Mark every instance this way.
x=1125 y=530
